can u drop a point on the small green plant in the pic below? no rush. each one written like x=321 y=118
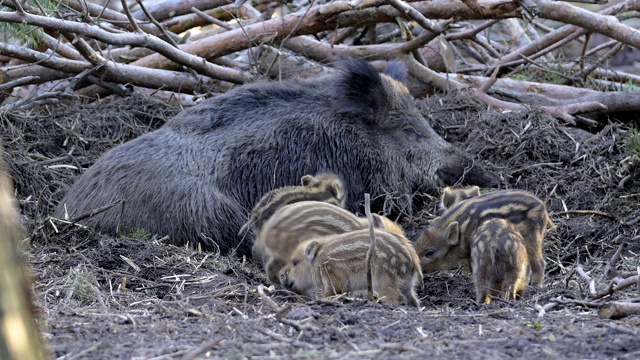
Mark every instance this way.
x=631 y=262
x=555 y=74
x=82 y=285
x=521 y=77
x=632 y=145
x=630 y=86
x=537 y=325
x=140 y=234
x=22 y=34
x=19 y=34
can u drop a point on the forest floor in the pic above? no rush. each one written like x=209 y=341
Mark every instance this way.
x=135 y=297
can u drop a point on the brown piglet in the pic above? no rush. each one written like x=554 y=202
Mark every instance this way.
x=304 y=220
x=335 y=264
x=446 y=242
x=451 y=196
x=499 y=261
x=326 y=187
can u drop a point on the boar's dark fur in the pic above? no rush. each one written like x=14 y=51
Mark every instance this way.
x=197 y=177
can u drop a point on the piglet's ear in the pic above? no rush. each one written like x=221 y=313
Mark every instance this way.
x=307 y=180
x=447 y=197
x=362 y=91
x=452 y=234
x=377 y=221
x=337 y=190
x=312 y=250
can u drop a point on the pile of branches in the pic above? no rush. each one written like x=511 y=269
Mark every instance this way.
x=490 y=49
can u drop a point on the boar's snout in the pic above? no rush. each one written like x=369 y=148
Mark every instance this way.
x=459 y=169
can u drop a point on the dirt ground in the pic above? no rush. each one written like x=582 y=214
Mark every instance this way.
x=135 y=297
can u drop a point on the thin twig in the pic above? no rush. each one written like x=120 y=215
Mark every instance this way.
x=372 y=248
x=413 y=14
x=155 y=22
x=92 y=212
x=584 y=212
x=614 y=259
x=591 y=281
x=470 y=33
x=281 y=312
x=267 y=299
x=494 y=77
x=542 y=310
x=211 y=19
x=18 y=6
x=17 y=82
x=211 y=344
x=132 y=20
x=616 y=284
x=281 y=338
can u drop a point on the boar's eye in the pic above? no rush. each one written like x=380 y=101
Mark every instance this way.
x=295 y=262
x=410 y=131
x=429 y=252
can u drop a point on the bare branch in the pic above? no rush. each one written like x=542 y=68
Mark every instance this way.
x=151 y=78
x=132 y=21
x=557 y=96
x=606 y=25
x=168 y=9
x=611 y=264
x=467 y=34
x=59 y=47
x=108 y=15
x=18 y=82
x=146 y=40
x=414 y=14
x=618 y=283
x=317 y=18
x=618 y=310
x=589 y=279
x=18 y=6
x=562 y=34
x=211 y=19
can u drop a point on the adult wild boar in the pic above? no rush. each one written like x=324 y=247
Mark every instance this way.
x=197 y=177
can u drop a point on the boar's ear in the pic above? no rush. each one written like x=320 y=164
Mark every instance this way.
x=307 y=180
x=363 y=91
x=452 y=233
x=397 y=70
x=312 y=250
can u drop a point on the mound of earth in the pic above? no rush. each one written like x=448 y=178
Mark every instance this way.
x=134 y=296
